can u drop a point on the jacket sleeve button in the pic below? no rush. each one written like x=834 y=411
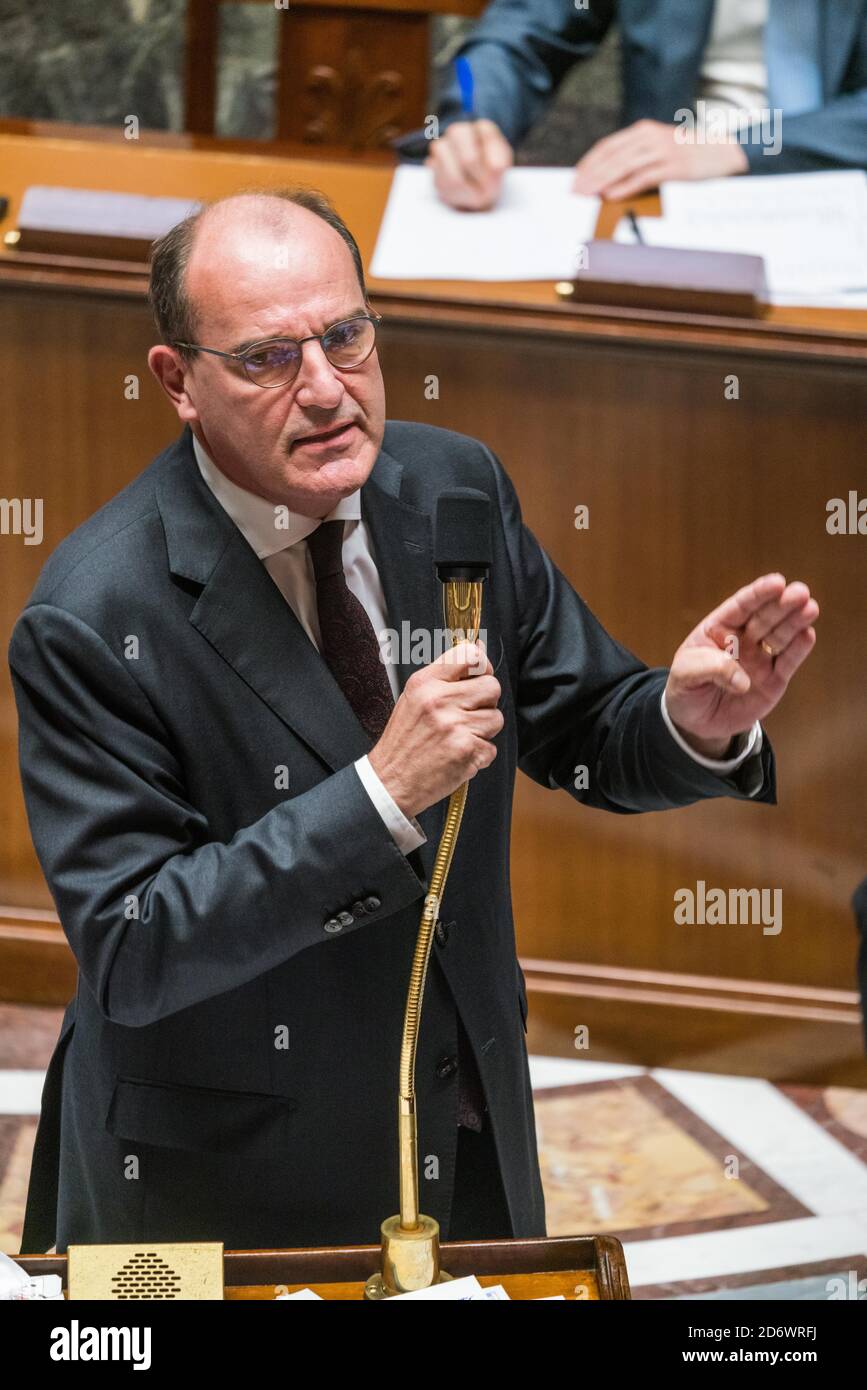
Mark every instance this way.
x=358 y=909
x=345 y=919
x=332 y=925
x=372 y=904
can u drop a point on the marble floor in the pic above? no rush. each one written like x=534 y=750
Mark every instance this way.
x=720 y=1187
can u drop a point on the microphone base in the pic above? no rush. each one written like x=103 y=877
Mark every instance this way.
x=410 y=1259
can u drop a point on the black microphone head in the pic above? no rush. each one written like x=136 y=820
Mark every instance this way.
x=462 y=534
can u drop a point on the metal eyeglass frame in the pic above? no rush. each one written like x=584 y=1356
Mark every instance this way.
x=299 y=342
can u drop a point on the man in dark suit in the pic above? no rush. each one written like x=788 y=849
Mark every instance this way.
x=236 y=803
x=744 y=60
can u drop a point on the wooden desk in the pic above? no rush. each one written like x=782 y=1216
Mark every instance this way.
x=581 y=1268
x=690 y=495
x=201 y=167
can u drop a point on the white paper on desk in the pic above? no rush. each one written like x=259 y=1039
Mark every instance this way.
x=624 y=232
x=842 y=299
x=304 y=1294
x=16 y=1284
x=811 y=229
x=535 y=232
x=452 y=1291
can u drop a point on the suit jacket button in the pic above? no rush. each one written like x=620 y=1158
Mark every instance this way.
x=358 y=909
x=345 y=919
x=441 y=932
x=333 y=925
x=446 y=1067
x=372 y=904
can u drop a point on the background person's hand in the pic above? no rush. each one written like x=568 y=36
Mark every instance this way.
x=440 y=731
x=716 y=687
x=640 y=157
x=468 y=162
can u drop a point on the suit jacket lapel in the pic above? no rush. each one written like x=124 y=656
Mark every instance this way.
x=242 y=614
x=402 y=540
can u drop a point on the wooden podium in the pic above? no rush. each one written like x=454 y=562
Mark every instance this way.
x=578 y=1267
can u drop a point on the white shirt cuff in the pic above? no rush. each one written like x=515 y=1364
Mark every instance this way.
x=751 y=743
x=407 y=834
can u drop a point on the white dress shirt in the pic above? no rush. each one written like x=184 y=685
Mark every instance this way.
x=274 y=535
x=734 y=74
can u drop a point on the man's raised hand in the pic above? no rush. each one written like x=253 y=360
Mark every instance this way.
x=735 y=666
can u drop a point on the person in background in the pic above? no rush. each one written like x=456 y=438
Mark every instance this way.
x=789 y=78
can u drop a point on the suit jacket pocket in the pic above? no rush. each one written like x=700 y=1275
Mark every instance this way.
x=197 y=1118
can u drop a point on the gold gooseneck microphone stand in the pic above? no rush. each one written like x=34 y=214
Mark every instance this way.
x=410 y=1240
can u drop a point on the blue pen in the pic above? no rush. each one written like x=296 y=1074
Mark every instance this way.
x=465 y=82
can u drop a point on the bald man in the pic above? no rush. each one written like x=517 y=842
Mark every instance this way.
x=237 y=801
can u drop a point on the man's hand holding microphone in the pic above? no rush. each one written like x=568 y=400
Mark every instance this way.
x=441 y=730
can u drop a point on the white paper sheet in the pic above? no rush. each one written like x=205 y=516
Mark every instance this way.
x=842 y=299
x=16 y=1284
x=464 y=1290
x=811 y=229
x=535 y=232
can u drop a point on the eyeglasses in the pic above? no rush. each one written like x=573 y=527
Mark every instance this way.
x=277 y=361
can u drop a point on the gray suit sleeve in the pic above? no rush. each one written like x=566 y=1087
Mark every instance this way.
x=585 y=701
x=158 y=914
x=834 y=137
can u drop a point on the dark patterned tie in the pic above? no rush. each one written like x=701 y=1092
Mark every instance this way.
x=348 y=641
x=350 y=648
